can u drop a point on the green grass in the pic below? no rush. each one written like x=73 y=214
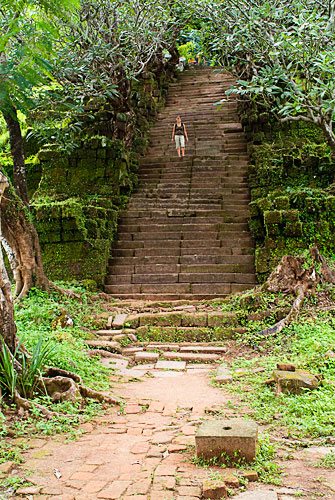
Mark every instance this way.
x=35 y=318
x=264 y=464
x=310 y=414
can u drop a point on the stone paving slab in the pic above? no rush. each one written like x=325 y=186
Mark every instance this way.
x=205 y=350
x=166 y=373
x=183 y=356
x=116 y=364
x=163 y=347
x=119 y=320
x=170 y=365
x=258 y=495
x=146 y=356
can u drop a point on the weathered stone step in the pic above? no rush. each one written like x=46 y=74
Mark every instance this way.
x=190 y=356
x=182 y=318
x=173 y=272
x=199 y=347
x=190 y=334
x=186 y=213
x=178 y=251
x=104 y=344
x=186 y=229
x=178 y=291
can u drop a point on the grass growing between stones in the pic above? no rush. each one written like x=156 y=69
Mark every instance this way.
x=264 y=464
x=38 y=318
x=306 y=344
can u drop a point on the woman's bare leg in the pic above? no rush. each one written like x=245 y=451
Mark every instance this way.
x=178 y=151
x=182 y=151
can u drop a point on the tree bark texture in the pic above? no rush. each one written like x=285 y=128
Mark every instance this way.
x=17 y=151
x=7 y=323
x=20 y=240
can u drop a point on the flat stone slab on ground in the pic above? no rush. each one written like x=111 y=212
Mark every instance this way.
x=257 y=495
x=162 y=437
x=219 y=438
x=107 y=333
x=204 y=350
x=116 y=364
x=294 y=382
x=223 y=376
x=104 y=344
x=166 y=373
x=163 y=347
x=145 y=367
x=184 y=356
x=170 y=365
x=146 y=356
x=119 y=320
x=130 y=351
x=314 y=453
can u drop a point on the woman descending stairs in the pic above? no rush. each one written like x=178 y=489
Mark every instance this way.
x=185 y=233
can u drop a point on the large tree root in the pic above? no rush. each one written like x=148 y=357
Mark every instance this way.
x=61 y=385
x=292 y=276
x=25 y=404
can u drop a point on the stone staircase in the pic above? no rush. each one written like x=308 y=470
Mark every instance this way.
x=170 y=340
x=185 y=232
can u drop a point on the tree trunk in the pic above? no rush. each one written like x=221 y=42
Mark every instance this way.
x=21 y=243
x=17 y=151
x=7 y=323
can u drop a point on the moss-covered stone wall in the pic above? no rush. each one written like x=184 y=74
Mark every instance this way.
x=79 y=196
x=291 y=177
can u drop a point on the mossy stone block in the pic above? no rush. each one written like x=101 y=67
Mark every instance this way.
x=254 y=210
x=264 y=204
x=273 y=229
x=293 y=229
x=50 y=237
x=296 y=382
x=290 y=215
x=282 y=202
x=262 y=260
x=272 y=217
x=256 y=228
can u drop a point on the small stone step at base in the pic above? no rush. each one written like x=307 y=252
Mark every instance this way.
x=146 y=357
x=203 y=358
x=107 y=333
x=258 y=495
x=131 y=351
x=162 y=347
x=204 y=350
x=115 y=364
x=104 y=344
x=170 y=365
x=119 y=320
x=223 y=376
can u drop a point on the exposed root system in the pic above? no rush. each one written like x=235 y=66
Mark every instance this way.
x=293 y=276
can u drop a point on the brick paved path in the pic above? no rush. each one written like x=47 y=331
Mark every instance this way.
x=144 y=452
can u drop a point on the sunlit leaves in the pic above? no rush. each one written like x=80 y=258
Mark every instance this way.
x=284 y=53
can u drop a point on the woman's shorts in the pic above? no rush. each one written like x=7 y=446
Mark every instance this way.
x=180 y=141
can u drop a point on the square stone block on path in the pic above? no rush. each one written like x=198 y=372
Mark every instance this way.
x=170 y=365
x=227 y=438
